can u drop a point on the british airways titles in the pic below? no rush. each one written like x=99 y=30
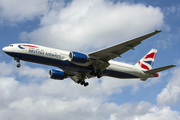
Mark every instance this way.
x=41 y=52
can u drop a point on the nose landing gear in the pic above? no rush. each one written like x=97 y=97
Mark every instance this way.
x=18 y=61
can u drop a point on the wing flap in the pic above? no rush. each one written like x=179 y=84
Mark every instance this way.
x=156 y=70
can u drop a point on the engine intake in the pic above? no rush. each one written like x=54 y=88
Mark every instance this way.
x=78 y=57
x=57 y=74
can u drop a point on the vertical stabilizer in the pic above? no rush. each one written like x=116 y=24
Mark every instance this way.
x=147 y=61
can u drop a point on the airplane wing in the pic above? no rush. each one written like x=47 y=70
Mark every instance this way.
x=116 y=50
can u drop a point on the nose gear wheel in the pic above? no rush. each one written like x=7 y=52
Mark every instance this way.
x=18 y=61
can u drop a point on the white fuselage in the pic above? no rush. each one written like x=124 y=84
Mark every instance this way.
x=60 y=58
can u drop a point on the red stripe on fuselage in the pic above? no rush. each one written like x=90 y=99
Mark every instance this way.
x=29 y=46
x=151 y=55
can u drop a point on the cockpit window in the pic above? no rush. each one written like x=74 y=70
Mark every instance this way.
x=10 y=45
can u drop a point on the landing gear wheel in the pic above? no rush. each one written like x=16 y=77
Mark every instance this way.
x=82 y=82
x=79 y=81
x=99 y=74
x=18 y=61
x=86 y=84
x=93 y=73
x=18 y=65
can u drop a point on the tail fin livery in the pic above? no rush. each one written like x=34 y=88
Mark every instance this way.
x=147 y=61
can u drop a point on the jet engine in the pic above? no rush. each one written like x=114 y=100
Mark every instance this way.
x=78 y=57
x=57 y=74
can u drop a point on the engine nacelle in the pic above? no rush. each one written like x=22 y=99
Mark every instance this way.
x=78 y=57
x=57 y=74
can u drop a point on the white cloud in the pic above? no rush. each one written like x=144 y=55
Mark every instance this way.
x=170 y=10
x=87 y=108
x=19 y=10
x=171 y=94
x=92 y=24
x=35 y=72
x=10 y=69
x=144 y=111
x=114 y=85
x=8 y=88
x=52 y=99
x=6 y=69
x=32 y=101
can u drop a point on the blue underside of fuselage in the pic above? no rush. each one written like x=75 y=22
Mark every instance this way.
x=67 y=66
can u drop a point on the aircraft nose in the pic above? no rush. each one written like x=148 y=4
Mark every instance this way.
x=4 y=49
x=7 y=49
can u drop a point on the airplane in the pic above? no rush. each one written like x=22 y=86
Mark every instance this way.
x=81 y=66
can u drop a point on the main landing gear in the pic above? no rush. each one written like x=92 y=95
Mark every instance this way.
x=18 y=61
x=82 y=82
x=97 y=73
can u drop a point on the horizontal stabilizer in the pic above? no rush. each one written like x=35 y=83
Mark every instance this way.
x=156 y=70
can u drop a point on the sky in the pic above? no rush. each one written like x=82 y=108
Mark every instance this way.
x=86 y=26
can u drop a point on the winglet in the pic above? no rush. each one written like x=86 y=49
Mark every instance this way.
x=158 y=31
